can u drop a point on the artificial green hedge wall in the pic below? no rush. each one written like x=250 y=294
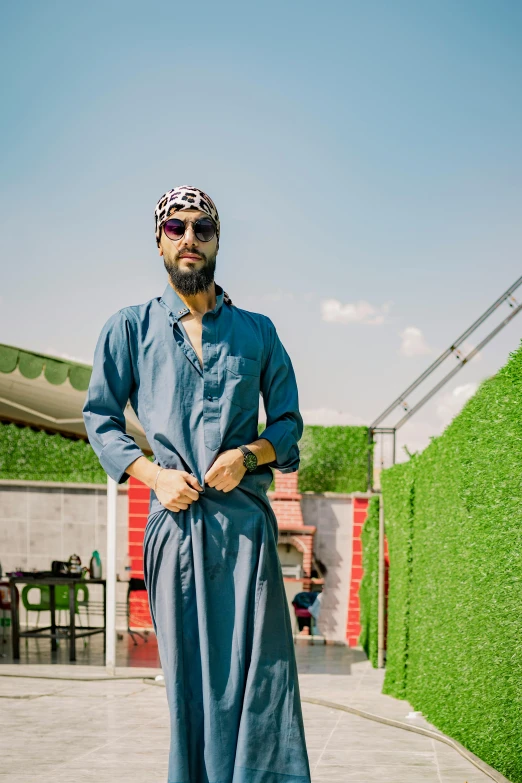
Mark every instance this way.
x=463 y=667
x=369 y=587
x=332 y=458
x=398 y=492
x=37 y=456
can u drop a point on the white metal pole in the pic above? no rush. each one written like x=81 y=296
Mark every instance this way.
x=110 y=575
x=380 y=616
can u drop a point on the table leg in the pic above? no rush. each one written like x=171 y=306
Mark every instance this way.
x=15 y=622
x=72 y=643
x=52 y=607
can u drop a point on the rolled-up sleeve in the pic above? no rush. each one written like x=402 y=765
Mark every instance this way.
x=284 y=424
x=107 y=396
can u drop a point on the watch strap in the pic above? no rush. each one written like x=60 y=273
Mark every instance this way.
x=246 y=454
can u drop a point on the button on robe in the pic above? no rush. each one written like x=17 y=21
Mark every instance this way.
x=212 y=571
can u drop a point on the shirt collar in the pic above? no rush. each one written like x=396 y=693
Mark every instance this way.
x=177 y=306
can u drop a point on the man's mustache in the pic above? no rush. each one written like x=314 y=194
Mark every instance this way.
x=192 y=253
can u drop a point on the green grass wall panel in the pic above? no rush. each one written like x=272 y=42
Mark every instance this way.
x=464 y=650
x=369 y=587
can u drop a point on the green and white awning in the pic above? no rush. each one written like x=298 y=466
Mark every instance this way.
x=56 y=371
x=49 y=393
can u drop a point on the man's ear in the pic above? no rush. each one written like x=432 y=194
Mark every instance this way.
x=160 y=249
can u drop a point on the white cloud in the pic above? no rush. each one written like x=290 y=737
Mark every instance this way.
x=361 y=312
x=413 y=342
x=452 y=402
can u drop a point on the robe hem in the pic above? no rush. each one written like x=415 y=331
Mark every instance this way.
x=259 y=776
x=284 y=777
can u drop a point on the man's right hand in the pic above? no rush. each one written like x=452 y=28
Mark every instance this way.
x=177 y=489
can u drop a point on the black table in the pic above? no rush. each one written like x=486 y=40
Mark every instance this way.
x=69 y=631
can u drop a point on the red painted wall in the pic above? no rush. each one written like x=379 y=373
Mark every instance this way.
x=353 y=627
x=138 y=512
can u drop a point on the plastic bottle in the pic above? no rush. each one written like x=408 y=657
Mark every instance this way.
x=95 y=566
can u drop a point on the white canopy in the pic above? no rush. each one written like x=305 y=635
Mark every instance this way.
x=49 y=400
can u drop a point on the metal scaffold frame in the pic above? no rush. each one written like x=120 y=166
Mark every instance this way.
x=453 y=350
x=401 y=402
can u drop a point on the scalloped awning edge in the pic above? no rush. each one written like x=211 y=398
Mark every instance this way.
x=56 y=370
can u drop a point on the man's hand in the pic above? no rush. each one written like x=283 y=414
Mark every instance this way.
x=226 y=471
x=177 y=489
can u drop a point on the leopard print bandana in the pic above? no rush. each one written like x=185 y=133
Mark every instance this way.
x=184 y=197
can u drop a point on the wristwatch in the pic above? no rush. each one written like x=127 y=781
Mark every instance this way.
x=249 y=458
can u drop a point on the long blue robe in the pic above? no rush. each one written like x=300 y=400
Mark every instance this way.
x=212 y=572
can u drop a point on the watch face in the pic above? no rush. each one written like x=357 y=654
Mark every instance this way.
x=250 y=461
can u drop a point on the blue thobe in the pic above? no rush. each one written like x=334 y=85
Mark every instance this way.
x=212 y=571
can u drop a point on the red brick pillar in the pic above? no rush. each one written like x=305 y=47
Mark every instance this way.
x=286 y=502
x=138 y=512
x=353 y=628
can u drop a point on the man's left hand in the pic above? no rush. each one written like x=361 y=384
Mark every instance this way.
x=226 y=471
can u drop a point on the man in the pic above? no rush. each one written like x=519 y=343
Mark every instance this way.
x=193 y=365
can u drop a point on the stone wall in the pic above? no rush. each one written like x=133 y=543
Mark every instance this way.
x=332 y=515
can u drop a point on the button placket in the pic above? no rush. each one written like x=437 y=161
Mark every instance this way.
x=185 y=344
x=210 y=398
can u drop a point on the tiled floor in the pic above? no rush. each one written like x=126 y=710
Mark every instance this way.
x=343 y=747
x=118 y=731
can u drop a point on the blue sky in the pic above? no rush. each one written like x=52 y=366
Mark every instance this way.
x=358 y=152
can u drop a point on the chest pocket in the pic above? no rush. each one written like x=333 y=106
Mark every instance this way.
x=242 y=381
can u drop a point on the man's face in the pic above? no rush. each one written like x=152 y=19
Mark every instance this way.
x=189 y=262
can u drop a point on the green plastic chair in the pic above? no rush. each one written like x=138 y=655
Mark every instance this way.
x=61 y=595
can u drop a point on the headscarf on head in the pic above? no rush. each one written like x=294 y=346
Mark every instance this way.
x=184 y=197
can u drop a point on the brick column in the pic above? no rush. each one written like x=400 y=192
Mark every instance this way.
x=286 y=502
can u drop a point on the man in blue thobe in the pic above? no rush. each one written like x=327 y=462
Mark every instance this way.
x=192 y=365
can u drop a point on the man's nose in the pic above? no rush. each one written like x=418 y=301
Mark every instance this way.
x=189 y=237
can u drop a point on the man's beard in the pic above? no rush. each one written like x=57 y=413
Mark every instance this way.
x=192 y=281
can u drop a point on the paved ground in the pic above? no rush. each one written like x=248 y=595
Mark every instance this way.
x=117 y=731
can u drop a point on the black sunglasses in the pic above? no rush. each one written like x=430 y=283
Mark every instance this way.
x=204 y=228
